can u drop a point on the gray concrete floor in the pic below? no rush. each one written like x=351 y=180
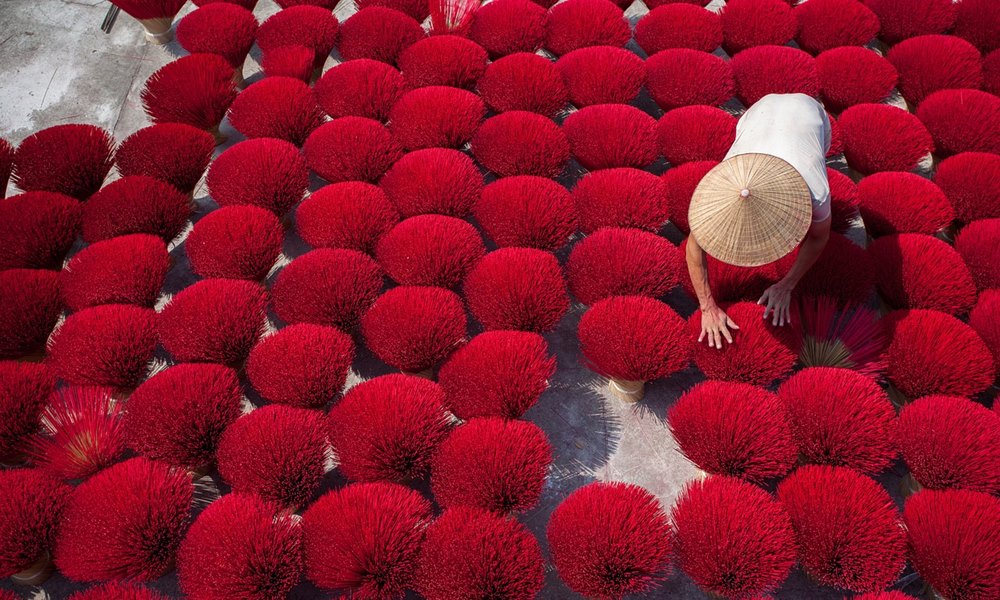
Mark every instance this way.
x=56 y=66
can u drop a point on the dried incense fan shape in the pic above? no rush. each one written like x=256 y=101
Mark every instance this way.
x=436 y=202
x=849 y=338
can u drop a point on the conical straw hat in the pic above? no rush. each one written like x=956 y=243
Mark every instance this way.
x=750 y=209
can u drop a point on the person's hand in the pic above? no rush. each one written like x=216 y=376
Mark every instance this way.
x=777 y=300
x=715 y=325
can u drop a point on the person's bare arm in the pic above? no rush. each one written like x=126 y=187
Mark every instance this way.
x=778 y=297
x=715 y=323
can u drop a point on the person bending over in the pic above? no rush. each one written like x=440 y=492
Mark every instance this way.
x=767 y=197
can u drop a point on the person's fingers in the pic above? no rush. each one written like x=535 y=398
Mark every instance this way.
x=731 y=324
x=788 y=316
x=727 y=335
x=774 y=319
x=763 y=297
x=718 y=339
x=702 y=336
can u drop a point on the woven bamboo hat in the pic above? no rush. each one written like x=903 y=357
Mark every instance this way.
x=750 y=209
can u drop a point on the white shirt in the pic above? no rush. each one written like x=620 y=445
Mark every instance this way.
x=795 y=128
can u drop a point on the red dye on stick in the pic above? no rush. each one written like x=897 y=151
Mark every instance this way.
x=31 y=507
x=521 y=143
x=302 y=365
x=602 y=75
x=951 y=442
x=238 y=547
x=517 y=288
x=378 y=33
x=732 y=538
x=434 y=180
x=931 y=352
x=24 y=393
x=616 y=261
x=275 y=452
x=611 y=135
x=310 y=26
x=276 y=107
x=953 y=539
x=443 y=60
x=493 y=464
x=526 y=211
x=195 y=90
x=920 y=271
x=678 y=25
x=848 y=530
x=135 y=204
x=267 y=173
x=351 y=149
x=178 y=415
x=498 y=373
x=81 y=433
x=352 y=215
x=129 y=269
x=32 y=305
x=695 y=133
x=504 y=27
x=66 y=159
x=841 y=418
x=457 y=559
x=581 y=23
x=388 y=428
x=609 y=540
x=413 y=328
x=126 y=522
x=364 y=539
x=172 y=152
x=214 y=320
x=734 y=429
x=431 y=250
x=326 y=287
x=633 y=338
x=235 y=242
x=523 y=81
x=109 y=345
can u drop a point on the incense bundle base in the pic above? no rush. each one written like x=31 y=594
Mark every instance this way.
x=627 y=391
x=425 y=374
x=37 y=574
x=909 y=485
x=200 y=471
x=158 y=30
x=220 y=138
x=13 y=461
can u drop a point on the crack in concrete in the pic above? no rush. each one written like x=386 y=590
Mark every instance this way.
x=87 y=4
x=41 y=104
x=128 y=91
